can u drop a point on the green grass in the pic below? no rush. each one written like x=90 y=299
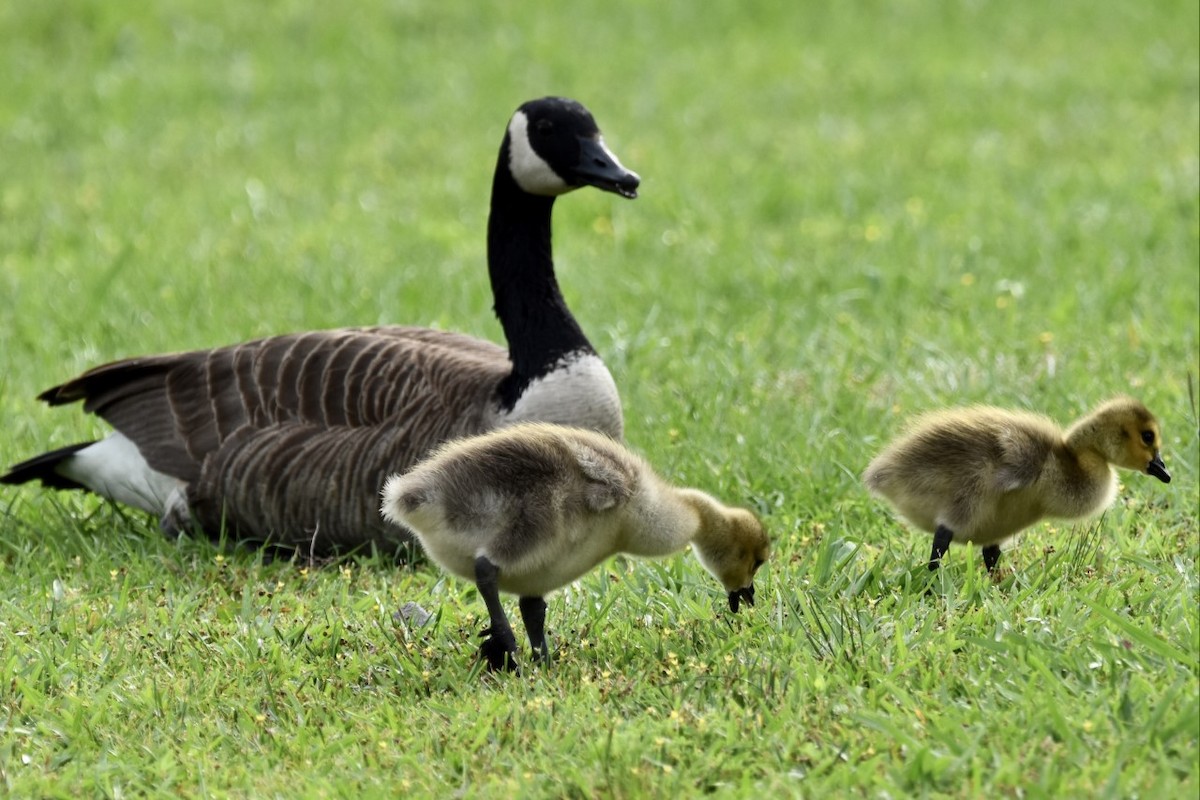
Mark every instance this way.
x=850 y=212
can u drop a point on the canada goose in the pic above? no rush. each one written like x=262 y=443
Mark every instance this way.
x=289 y=438
x=981 y=474
x=530 y=508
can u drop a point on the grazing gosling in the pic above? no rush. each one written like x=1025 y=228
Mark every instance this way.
x=530 y=508
x=981 y=474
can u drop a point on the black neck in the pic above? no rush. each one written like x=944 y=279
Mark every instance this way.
x=537 y=323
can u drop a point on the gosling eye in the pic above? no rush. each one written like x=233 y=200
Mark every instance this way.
x=1148 y=437
x=758 y=562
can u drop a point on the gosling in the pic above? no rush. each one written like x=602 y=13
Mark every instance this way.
x=982 y=474
x=530 y=508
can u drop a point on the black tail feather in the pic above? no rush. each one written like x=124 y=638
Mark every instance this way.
x=41 y=468
x=107 y=378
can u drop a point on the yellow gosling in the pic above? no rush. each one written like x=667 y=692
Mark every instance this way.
x=530 y=508
x=982 y=474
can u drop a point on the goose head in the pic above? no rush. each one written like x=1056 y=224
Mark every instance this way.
x=555 y=146
x=1128 y=435
x=732 y=545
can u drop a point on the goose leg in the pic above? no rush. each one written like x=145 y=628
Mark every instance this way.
x=991 y=555
x=499 y=646
x=941 y=543
x=533 y=614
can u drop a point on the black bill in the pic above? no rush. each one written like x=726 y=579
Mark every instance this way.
x=600 y=168
x=1158 y=469
x=737 y=595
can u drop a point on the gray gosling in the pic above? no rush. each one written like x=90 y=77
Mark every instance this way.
x=982 y=474
x=530 y=508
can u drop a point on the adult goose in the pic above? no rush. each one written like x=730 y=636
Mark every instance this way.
x=289 y=439
x=982 y=474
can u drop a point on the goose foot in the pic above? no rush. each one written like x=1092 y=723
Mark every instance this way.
x=499 y=646
x=941 y=543
x=499 y=650
x=991 y=555
x=533 y=614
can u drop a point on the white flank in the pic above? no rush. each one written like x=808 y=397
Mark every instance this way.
x=581 y=393
x=529 y=170
x=114 y=468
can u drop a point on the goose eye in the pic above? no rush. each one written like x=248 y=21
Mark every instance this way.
x=543 y=127
x=1148 y=437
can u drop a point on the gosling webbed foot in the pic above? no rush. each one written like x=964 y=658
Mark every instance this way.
x=499 y=650
x=499 y=646
x=533 y=614
x=991 y=556
x=941 y=543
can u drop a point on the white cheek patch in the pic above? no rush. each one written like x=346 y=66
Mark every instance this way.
x=114 y=468
x=529 y=170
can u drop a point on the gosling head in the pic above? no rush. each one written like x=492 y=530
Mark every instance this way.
x=1129 y=437
x=732 y=548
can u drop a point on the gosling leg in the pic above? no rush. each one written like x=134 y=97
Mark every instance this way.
x=991 y=555
x=533 y=614
x=941 y=543
x=499 y=646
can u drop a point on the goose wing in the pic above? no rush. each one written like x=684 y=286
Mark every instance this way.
x=307 y=486
x=1022 y=449
x=180 y=409
x=610 y=478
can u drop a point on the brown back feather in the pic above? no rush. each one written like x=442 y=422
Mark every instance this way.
x=376 y=399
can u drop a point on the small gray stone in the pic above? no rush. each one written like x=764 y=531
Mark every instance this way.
x=413 y=615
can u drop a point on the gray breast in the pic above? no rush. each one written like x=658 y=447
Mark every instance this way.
x=580 y=393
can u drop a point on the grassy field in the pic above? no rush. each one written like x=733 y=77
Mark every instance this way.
x=850 y=213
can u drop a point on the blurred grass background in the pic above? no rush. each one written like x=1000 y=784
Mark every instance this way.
x=849 y=213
